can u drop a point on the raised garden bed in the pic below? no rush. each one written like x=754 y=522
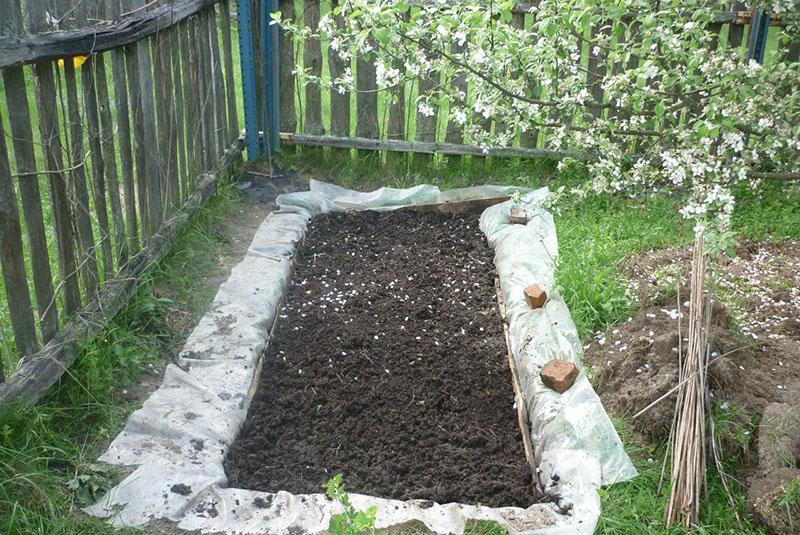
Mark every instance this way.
x=388 y=365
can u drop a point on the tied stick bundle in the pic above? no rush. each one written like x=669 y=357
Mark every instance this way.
x=688 y=475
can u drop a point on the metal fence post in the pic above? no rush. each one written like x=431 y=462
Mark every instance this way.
x=247 y=56
x=759 y=26
x=270 y=65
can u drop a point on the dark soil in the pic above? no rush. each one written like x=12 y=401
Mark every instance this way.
x=388 y=365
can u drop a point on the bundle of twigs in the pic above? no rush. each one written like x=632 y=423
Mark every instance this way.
x=688 y=434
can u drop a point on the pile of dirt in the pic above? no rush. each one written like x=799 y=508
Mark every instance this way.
x=388 y=365
x=754 y=371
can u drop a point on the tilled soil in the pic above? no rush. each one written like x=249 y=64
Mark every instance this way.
x=388 y=365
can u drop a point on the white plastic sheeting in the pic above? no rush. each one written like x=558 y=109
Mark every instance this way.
x=178 y=439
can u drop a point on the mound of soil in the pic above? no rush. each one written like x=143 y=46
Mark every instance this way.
x=388 y=365
x=754 y=372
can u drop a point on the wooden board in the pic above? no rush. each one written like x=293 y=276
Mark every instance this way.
x=20 y=49
x=424 y=147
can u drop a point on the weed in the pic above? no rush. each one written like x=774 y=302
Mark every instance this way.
x=351 y=521
x=733 y=430
x=484 y=527
x=790 y=500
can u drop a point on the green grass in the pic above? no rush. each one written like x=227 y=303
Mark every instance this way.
x=637 y=506
x=48 y=452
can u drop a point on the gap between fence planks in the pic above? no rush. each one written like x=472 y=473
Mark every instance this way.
x=37 y=373
x=519 y=399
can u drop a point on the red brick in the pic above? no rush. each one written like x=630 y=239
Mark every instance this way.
x=559 y=375
x=535 y=296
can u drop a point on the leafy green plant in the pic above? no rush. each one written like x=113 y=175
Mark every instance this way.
x=351 y=521
x=791 y=500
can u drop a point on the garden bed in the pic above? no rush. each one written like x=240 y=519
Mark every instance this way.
x=388 y=365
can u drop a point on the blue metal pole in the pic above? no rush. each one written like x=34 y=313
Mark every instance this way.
x=759 y=27
x=266 y=64
x=269 y=64
x=757 y=44
x=276 y=65
x=247 y=56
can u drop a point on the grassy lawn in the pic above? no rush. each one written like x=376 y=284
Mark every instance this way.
x=47 y=453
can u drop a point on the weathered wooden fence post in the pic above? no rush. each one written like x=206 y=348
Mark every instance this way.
x=22 y=134
x=12 y=262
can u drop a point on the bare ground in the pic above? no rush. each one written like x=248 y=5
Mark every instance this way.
x=754 y=370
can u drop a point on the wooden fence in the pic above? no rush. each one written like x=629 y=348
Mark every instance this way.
x=116 y=116
x=389 y=120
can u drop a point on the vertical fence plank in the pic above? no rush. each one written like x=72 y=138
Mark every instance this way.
x=218 y=86
x=736 y=31
x=171 y=176
x=455 y=131
x=81 y=206
x=528 y=137
x=339 y=99
x=177 y=96
x=312 y=63
x=98 y=163
x=12 y=260
x=396 y=127
x=206 y=95
x=426 y=123
x=288 y=113
x=191 y=95
x=255 y=33
x=230 y=81
x=162 y=73
x=50 y=134
x=274 y=129
x=108 y=147
x=596 y=67
x=132 y=66
x=25 y=158
x=121 y=101
x=150 y=139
